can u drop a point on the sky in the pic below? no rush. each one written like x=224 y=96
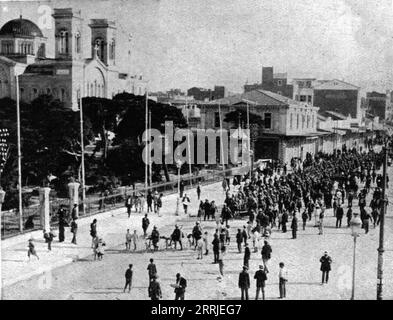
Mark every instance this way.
x=186 y=43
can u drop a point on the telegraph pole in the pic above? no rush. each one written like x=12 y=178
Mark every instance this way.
x=382 y=227
x=19 y=156
x=83 y=174
x=146 y=145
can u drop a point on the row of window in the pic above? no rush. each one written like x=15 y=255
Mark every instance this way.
x=305 y=121
x=303 y=98
x=267 y=121
x=99 y=45
x=95 y=90
x=63 y=40
x=304 y=84
x=24 y=47
x=33 y=93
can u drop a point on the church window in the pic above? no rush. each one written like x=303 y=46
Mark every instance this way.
x=63 y=41
x=88 y=90
x=62 y=94
x=41 y=50
x=7 y=47
x=112 y=50
x=34 y=93
x=91 y=90
x=99 y=47
x=77 y=42
x=95 y=88
x=48 y=91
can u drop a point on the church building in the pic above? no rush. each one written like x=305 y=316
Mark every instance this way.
x=71 y=73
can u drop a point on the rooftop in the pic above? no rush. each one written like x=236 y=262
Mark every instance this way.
x=256 y=97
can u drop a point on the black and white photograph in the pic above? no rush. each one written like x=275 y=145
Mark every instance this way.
x=196 y=150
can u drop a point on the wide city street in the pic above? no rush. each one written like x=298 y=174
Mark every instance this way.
x=89 y=279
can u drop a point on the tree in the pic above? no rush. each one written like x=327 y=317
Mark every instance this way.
x=50 y=140
x=104 y=115
x=132 y=125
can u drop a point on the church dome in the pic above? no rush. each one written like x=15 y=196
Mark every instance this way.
x=21 y=27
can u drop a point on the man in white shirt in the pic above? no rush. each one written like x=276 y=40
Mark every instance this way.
x=283 y=278
x=134 y=239
x=128 y=240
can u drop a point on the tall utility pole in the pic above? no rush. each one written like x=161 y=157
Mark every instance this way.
x=188 y=143
x=221 y=142
x=19 y=156
x=249 y=139
x=382 y=227
x=83 y=175
x=149 y=156
x=146 y=153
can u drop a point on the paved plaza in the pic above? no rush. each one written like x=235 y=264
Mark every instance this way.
x=78 y=276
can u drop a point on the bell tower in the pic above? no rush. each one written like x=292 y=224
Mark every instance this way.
x=68 y=34
x=103 y=37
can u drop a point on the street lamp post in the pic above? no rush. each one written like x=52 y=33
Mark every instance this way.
x=356 y=224
x=2 y=196
x=178 y=165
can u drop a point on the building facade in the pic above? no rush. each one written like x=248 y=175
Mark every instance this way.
x=380 y=104
x=287 y=127
x=72 y=72
x=329 y=95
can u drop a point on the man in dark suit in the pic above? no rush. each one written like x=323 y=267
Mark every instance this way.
x=176 y=237
x=155 y=289
x=266 y=255
x=247 y=255
x=180 y=289
x=339 y=216
x=294 y=226
x=216 y=247
x=244 y=282
x=128 y=205
x=326 y=262
x=152 y=270
x=284 y=221
x=260 y=277
x=128 y=276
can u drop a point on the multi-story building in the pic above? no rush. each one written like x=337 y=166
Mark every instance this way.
x=75 y=69
x=380 y=104
x=329 y=95
x=287 y=128
x=273 y=82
